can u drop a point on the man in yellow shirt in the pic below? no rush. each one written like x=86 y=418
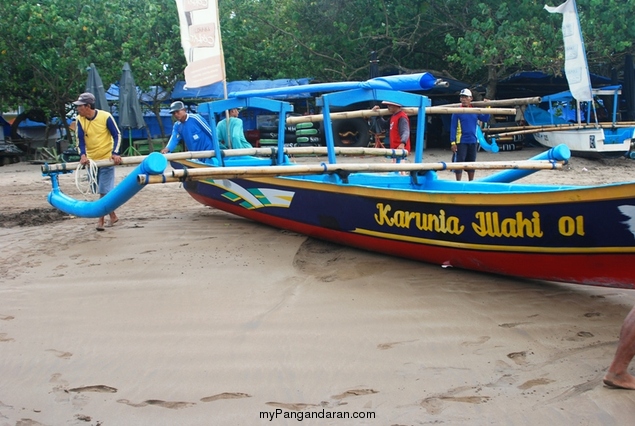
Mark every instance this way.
x=99 y=139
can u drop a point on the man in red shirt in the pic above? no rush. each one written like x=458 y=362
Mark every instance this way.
x=399 y=130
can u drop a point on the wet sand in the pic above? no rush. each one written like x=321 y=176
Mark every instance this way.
x=180 y=314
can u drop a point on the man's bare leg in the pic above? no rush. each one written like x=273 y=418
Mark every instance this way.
x=113 y=218
x=618 y=375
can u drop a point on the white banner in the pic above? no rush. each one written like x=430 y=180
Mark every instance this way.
x=575 y=64
x=200 y=38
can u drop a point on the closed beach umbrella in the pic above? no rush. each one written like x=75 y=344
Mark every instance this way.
x=374 y=65
x=130 y=115
x=95 y=86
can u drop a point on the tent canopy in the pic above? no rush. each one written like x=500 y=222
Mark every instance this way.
x=538 y=83
x=155 y=92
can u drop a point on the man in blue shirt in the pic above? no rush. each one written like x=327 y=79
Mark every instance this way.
x=463 y=134
x=192 y=128
x=236 y=137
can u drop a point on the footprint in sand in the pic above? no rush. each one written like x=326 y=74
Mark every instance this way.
x=60 y=354
x=512 y=324
x=292 y=406
x=355 y=392
x=592 y=314
x=384 y=346
x=434 y=404
x=477 y=342
x=6 y=317
x=535 y=382
x=28 y=422
x=468 y=399
x=4 y=338
x=519 y=358
x=94 y=388
x=225 y=395
x=174 y=405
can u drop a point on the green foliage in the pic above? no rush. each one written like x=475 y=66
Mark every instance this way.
x=489 y=38
x=47 y=44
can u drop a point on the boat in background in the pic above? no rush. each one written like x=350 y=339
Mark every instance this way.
x=572 y=117
x=577 y=125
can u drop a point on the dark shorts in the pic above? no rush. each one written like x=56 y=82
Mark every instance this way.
x=465 y=152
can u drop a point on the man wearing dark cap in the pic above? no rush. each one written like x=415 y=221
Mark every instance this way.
x=191 y=128
x=99 y=139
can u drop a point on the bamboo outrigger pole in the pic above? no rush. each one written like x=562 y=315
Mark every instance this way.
x=560 y=128
x=502 y=102
x=305 y=169
x=603 y=124
x=410 y=111
x=263 y=152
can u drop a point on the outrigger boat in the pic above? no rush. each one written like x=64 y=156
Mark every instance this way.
x=573 y=234
x=586 y=136
x=557 y=123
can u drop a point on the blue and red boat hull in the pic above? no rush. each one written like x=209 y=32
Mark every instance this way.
x=575 y=235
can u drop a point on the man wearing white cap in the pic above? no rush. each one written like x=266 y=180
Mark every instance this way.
x=463 y=134
x=98 y=139
x=399 y=130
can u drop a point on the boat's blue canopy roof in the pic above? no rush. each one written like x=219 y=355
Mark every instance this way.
x=212 y=91
x=216 y=90
x=566 y=96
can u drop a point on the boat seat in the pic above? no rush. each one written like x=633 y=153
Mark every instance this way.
x=617 y=136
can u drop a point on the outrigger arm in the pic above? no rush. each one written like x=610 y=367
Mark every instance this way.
x=153 y=164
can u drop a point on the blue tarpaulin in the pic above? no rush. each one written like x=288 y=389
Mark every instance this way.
x=216 y=91
x=155 y=92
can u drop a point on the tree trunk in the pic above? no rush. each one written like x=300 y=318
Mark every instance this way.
x=492 y=79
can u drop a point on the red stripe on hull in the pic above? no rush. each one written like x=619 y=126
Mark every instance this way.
x=588 y=269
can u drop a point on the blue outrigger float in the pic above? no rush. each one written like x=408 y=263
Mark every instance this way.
x=574 y=234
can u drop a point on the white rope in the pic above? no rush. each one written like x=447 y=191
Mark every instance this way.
x=89 y=178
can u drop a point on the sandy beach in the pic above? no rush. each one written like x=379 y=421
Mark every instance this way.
x=185 y=315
